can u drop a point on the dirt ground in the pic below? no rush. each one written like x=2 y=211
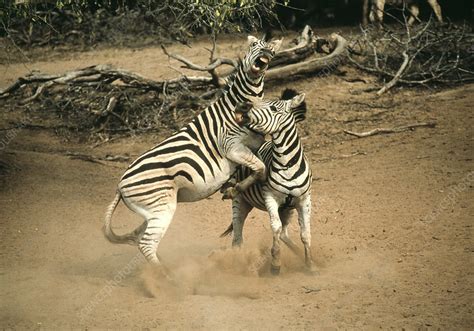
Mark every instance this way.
x=391 y=222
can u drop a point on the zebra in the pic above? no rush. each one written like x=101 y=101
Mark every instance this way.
x=196 y=161
x=288 y=185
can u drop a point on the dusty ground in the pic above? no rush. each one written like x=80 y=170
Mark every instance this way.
x=391 y=225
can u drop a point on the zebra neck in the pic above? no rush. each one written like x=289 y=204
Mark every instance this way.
x=243 y=88
x=286 y=148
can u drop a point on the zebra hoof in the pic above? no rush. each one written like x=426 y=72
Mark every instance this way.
x=230 y=193
x=275 y=270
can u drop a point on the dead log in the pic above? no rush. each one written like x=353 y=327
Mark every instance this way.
x=314 y=65
x=306 y=46
x=106 y=73
x=286 y=63
x=211 y=68
x=26 y=80
x=38 y=92
x=114 y=95
x=115 y=105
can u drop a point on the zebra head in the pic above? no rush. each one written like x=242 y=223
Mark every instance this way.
x=269 y=116
x=258 y=56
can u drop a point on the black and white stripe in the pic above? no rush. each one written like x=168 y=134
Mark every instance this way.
x=194 y=162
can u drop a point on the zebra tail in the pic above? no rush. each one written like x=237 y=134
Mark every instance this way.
x=228 y=231
x=129 y=238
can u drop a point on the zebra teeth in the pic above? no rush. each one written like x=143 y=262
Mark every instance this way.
x=261 y=63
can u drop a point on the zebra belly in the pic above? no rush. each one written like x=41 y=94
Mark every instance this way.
x=254 y=196
x=200 y=189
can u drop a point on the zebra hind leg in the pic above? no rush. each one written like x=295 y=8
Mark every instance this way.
x=156 y=226
x=240 y=210
x=151 y=237
x=285 y=216
x=276 y=225
x=304 y=217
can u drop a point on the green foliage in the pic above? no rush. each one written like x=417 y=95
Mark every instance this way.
x=179 y=17
x=224 y=15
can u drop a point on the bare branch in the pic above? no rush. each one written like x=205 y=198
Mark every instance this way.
x=390 y=84
x=310 y=289
x=38 y=92
x=416 y=55
x=188 y=64
x=390 y=130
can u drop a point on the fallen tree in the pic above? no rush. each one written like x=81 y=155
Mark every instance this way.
x=297 y=60
x=288 y=63
x=102 y=99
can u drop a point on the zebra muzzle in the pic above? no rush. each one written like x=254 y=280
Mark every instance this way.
x=241 y=113
x=242 y=118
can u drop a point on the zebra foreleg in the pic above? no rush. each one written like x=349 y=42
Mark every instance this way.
x=244 y=156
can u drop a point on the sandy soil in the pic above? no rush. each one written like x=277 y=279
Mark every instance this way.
x=391 y=225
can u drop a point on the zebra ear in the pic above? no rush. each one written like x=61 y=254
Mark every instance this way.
x=297 y=100
x=298 y=108
x=251 y=40
x=275 y=45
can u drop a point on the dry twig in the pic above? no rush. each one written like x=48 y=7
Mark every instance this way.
x=339 y=157
x=390 y=130
x=416 y=55
x=96 y=159
x=311 y=289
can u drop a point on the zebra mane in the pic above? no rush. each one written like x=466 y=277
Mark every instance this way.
x=230 y=79
x=299 y=113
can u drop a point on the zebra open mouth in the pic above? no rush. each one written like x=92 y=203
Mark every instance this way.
x=260 y=64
